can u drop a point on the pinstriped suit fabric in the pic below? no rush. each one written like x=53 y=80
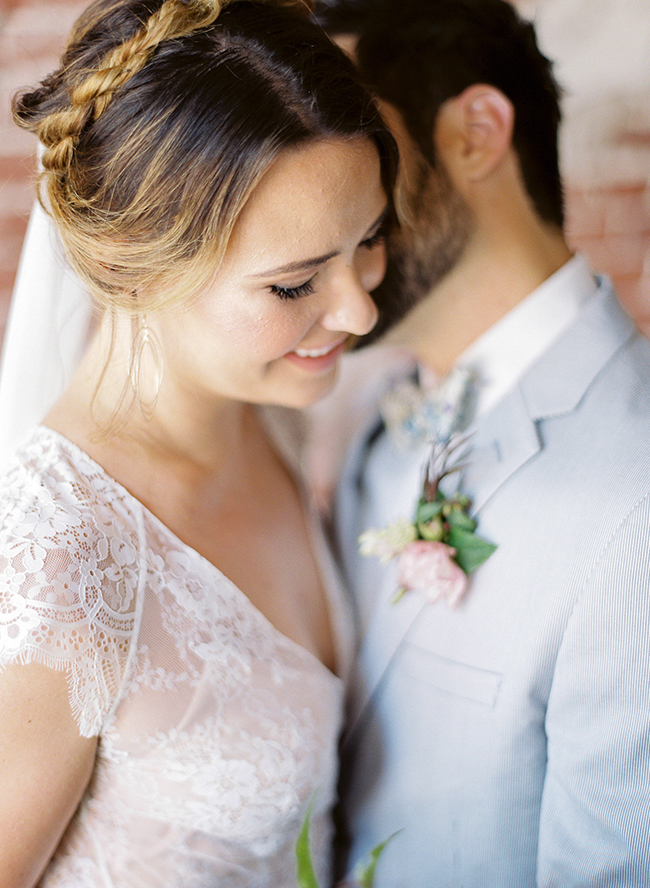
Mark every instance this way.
x=511 y=739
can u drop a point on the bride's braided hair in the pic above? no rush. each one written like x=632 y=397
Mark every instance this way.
x=162 y=118
x=90 y=90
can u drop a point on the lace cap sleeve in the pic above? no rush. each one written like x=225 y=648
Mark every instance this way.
x=69 y=577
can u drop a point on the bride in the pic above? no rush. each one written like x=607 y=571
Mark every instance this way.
x=172 y=636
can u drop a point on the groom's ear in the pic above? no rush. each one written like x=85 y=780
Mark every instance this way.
x=473 y=132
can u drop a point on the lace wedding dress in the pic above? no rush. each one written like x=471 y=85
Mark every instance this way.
x=214 y=728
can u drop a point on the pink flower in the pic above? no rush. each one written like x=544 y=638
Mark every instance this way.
x=428 y=567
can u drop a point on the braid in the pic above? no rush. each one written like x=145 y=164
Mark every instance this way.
x=91 y=90
x=173 y=20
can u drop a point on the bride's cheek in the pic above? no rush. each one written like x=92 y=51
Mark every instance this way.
x=274 y=334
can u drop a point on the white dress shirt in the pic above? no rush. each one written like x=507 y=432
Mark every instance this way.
x=502 y=354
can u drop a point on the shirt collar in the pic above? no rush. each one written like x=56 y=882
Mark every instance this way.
x=502 y=354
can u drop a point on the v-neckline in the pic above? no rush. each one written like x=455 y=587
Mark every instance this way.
x=317 y=551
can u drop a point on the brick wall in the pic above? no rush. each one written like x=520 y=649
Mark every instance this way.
x=602 y=62
x=608 y=205
x=611 y=225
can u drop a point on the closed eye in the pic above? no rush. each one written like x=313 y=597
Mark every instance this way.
x=293 y=292
x=375 y=239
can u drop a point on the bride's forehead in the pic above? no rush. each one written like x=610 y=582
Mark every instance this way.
x=315 y=190
x=319 y=169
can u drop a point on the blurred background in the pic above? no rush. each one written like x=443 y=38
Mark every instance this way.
x=602 y=54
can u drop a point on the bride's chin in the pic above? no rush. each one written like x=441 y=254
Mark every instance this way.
x=308 y=395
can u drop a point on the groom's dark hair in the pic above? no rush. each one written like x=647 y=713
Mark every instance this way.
x=416 y=54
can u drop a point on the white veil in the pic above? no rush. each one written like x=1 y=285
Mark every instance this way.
x=47 y=330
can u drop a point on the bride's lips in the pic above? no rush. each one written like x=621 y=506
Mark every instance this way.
x=318 y=359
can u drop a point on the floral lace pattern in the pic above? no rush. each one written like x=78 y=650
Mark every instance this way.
x=214 y=728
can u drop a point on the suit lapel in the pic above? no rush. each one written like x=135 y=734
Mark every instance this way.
x=510 y=435
x=389 y=625
x=501 y=445
x=558 y=381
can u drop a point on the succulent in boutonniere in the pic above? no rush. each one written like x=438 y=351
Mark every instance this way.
x=439 y=549
x=364 y=874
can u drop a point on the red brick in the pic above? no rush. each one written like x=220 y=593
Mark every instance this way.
x=585 y=213
x=6 y=286
x=17 y=168
x=6 y=283
x=12 y=225
x=625 y=210
x=10 y=247
x=17 y=197
x=622 y=255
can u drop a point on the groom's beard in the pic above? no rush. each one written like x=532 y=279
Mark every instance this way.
x=436 y=225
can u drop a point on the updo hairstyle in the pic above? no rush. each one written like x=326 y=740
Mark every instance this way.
x=162 y=118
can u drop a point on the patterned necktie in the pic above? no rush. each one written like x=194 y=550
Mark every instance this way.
x=414 y=415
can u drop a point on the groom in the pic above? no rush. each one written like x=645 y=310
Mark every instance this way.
x=508 y=739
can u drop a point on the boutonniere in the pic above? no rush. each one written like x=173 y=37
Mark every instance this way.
x=414 y=412
x=439 y=549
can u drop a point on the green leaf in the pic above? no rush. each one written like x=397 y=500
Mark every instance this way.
x=458 y=518
x=471 y=550
x=427 y=511
x=305 y=874
x=364 y=872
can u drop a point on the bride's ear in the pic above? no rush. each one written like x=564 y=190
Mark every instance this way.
x=474 y=132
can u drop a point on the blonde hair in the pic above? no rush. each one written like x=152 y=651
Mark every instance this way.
x=160 y=121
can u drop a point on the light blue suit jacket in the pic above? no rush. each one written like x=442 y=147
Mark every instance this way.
x=510 y=739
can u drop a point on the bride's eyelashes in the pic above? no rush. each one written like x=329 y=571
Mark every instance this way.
x=293 y=292
x=369 y=243
x=379 y=237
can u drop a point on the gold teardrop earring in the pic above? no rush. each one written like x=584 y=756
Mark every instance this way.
x=145 y=342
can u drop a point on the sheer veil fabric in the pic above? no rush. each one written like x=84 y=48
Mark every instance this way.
x=49 y=322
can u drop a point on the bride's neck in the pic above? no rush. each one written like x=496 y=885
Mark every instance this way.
x=100 y=413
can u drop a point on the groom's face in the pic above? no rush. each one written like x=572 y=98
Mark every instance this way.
x=435 y=225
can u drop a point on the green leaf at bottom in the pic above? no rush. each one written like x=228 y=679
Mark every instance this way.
x=364 y=872
x=305 y=874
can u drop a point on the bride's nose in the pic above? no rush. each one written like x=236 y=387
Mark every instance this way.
x=351 y=308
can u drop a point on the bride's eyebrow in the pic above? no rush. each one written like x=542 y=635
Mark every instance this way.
x=308 y=264
x=296 y=266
